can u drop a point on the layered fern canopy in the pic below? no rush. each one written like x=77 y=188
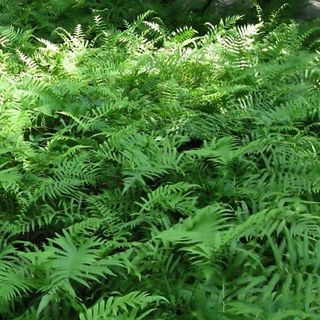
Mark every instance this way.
x=150 y=174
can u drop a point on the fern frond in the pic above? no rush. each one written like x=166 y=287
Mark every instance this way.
x=117 y=306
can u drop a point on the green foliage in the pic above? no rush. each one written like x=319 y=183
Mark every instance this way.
x=151 y=174
x=44 y=16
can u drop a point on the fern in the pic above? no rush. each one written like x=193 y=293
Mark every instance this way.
x=158 y=174
x=117 y=307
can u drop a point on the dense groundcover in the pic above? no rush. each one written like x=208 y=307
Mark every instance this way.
x=43 y=16
x=150 y=174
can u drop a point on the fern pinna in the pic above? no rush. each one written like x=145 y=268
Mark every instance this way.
x=147 y=174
